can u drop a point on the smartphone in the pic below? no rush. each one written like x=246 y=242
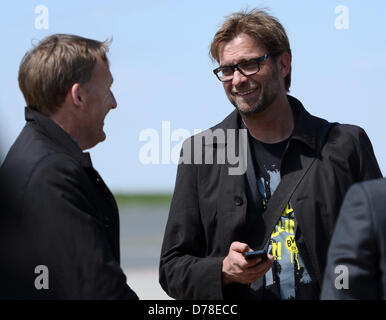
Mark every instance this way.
x=254 y=254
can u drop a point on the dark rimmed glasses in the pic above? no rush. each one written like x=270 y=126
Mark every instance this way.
x=246 y=68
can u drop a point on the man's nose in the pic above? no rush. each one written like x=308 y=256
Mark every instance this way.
x=238 y=78
x=114 y=102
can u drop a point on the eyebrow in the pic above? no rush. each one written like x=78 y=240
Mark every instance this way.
x=242 y=60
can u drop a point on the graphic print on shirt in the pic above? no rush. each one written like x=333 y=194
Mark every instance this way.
x=288 y=278
x=288 y=270
x=268 y=184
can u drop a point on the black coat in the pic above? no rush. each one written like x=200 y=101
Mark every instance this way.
x=359 y=244
x=209 y=207
x=57 y=212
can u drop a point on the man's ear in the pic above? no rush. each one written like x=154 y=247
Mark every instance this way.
x=284 y=64
x=77 y=95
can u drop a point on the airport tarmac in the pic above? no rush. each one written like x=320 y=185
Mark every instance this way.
x=141 y=233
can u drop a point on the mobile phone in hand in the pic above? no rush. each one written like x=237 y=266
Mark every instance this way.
x=254 y=254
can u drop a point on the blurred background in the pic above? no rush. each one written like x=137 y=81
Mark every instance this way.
x=166 y=91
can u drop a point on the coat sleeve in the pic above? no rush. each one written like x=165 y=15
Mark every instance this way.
x=67 y=236
x=352 y=267
x=185 y=270
x=368 y=167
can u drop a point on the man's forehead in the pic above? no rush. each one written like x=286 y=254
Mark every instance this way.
x=241 y=47
x=109 y=76
x=102 y=69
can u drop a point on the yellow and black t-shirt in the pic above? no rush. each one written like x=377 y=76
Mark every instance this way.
x=288 y=278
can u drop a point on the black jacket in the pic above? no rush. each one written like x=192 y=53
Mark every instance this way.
x=359 y=245
x=57 y=212
x=209 y=207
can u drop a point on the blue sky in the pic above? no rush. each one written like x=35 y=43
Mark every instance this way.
x=162 y=71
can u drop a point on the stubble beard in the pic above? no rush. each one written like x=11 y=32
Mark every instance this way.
x=265 y=98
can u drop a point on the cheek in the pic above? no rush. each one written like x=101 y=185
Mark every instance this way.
x=227 y=87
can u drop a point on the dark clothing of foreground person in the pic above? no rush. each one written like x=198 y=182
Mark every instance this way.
x=358 y=246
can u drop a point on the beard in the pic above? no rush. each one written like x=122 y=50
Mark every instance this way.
x=264 y=98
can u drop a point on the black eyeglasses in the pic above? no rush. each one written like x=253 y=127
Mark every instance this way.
x=246 y=68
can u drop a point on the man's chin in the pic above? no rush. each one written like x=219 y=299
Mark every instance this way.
x=102 y=137
x=248 y=110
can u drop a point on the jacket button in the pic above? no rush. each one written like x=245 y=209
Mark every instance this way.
x=238 y=201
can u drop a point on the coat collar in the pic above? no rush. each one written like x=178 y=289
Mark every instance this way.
x=306 y=129
x=50 y=129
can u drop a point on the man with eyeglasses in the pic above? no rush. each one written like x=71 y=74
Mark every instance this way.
x=299 y=168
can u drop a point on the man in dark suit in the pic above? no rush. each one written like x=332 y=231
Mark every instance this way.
x=356 y=266
x=287 y=198
x=60 y=224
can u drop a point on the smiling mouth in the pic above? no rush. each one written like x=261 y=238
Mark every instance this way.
x=245 y=93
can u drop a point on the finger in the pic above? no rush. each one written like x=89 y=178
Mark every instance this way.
x=251 y=276
x=261 y=267
x=239 y=247
x=246 y=264
x=255 y=261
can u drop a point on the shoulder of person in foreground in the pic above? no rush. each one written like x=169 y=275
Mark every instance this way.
x=351 y=146
x=356 y=250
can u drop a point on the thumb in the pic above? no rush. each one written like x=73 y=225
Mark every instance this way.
x=239 y=246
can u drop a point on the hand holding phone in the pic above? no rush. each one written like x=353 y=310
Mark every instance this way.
x=236 y=269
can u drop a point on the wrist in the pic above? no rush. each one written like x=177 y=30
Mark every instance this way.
x=225 y=279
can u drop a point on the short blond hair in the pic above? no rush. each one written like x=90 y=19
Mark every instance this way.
x=259 y=25
x=49 y=69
